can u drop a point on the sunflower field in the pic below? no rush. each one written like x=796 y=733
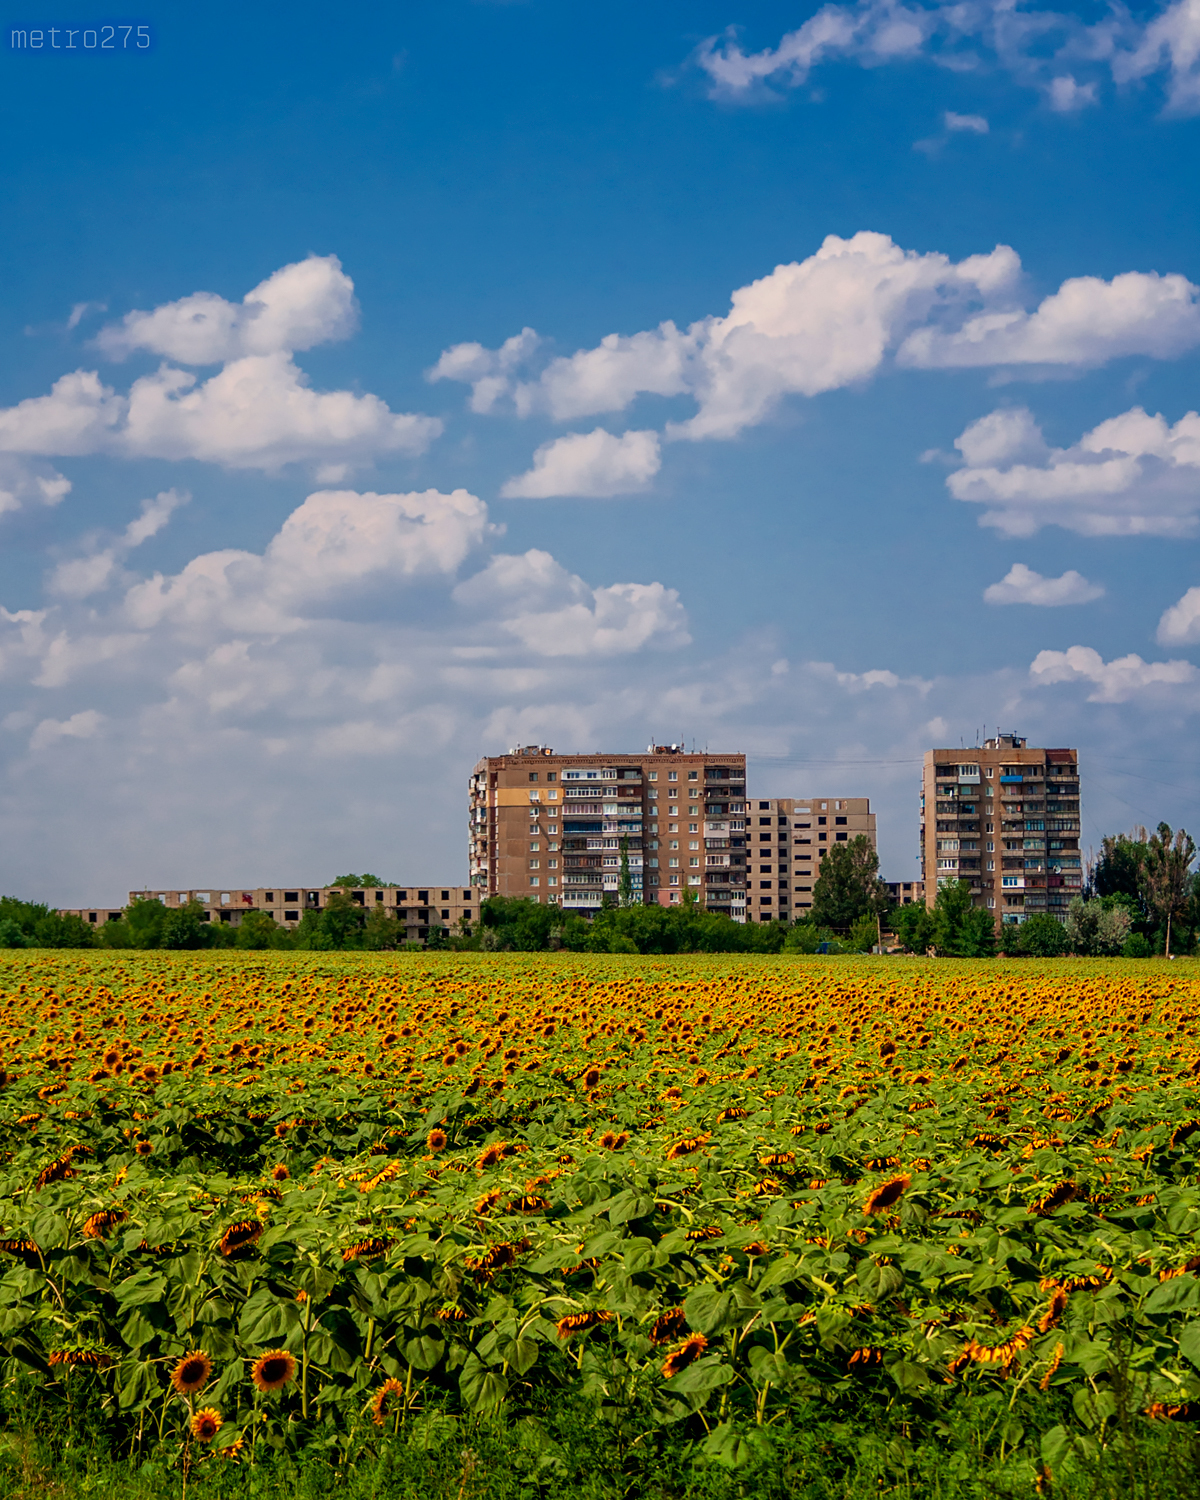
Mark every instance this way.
x=253 y=1202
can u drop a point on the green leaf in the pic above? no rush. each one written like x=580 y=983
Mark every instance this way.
x=706 y=1375
x=483 y=1390
x=727 y=1446
x=425 y=1352
x=1189 y=1342
x=1168 y=1296
x=709 y=1311
x=140 y=1288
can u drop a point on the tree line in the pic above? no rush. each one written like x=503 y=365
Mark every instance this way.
x=1141 y=897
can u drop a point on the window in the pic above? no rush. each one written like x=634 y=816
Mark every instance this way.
x=673 y=844
x=533 y=880
x=673 y=864
x=693 y=828
x=445 y=916
x=291 y=895
x=268 y=895
x=423 y=897
x=533 y=848
x=691 y=775
x=653 y=776
x=533 y=775
x=764 y=807
x=764 y=885
x=291 y=916
x=466 y=895
x=551 y=775
x=672 y=775
x=695 y=844
x=764 y=821
x=841 y=822
x=842 y=837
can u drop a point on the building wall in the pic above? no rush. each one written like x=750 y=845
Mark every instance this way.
x=1005 y=817
x=550 y=827
x=787 y=837
x=418 y=907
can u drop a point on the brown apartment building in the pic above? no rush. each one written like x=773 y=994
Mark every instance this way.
x=786 y=840
x=1005 y=818
x=555 y=828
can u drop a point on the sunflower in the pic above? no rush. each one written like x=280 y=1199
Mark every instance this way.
x=191 y=1373
x=273 y=1370
x=240 y=1237
x=206 y=1424
x=591 y=1079
x=687 y=1353
x=611 y=1141
x=887 y=1194
x=491 y=1156
x=364 y=1249
x=686 y=1147
x=1055 y=1198
x=1055 y=1361
x=98 y=1225
x=668 y=1326
x=1054 y=1309
x=436 y=1140
x=578 y=1322
x=279 y=1173
x=380 y=1402
x=143 y=1148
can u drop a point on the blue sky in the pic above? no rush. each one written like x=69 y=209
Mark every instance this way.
x=856 y=413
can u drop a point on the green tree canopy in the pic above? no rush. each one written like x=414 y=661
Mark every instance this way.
x=961 y=929
x=1042 y=936
x=1165 y=874
x=849 y=886
x=359 y=882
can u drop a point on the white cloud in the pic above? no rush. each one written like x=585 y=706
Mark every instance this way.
x=79 y=577
x=555 y=613
x=256 y=412
x=589 y=463
x=80 y=726
x=23 y=484
x=298 y=307
x=973 y=124
x=336 y=544
x=812 y=326
x=1021 y=585
x=1032 y=46
x=1180 y=625
x=1132 y=475
x=1086 y=322
x=831 y=321
x=1115 y=681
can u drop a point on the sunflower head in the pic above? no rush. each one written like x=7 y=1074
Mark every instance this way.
x=591 y=1079
x=206 y=1424
x=384 y=1401
x=191 y=1373
x=273 y=1370
x=279 y=1173
x=688 y=1352
x=887 y=1194
x=436 y=1140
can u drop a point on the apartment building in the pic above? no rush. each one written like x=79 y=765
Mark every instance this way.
x=557 y=828
x=418 y=907
x=786 y=840
x=1004 y=817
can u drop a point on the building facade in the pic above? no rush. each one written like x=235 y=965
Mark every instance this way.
x=786 y=840
x=566 y=829
x=418 y=907
x=1005 y=818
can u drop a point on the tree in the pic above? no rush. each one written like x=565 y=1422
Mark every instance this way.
x=1118 y=871
x=146 y=918
x=1042 y=936
x=864 y=935
x=913 y=925
x=1097 y=928
x=342 y=921
x=257 y=929
x=185 y=927
x=11 y=935
x=1165 y=874
x=381 y=932
x=358 y=882
x=849 y=886
x=960 y=929
x=626 y=882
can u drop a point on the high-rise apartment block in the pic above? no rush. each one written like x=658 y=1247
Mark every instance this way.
x=786 y=840
x=1005 y=818
x=563 y=828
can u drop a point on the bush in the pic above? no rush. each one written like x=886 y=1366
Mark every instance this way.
x=11 y=935
x=1042 y=936
x=1136 y=946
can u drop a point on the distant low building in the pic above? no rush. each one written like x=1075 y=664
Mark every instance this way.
x=417 y=907
x=786 y=840
x=906 y=892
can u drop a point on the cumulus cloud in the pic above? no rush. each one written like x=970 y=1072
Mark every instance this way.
x=1180 y=625
x=831 y=321
x=337 y=542
x=810 y=326
x=1040 y=49
x=80 y=726
x=589 y=463
x=1115 y=681
x=23 y=484
x=1086 y=322
x=973 y=124
x=298 y=307
x=79 y=577
x=256 y=412
x=1021 y=585
x=1132 y=475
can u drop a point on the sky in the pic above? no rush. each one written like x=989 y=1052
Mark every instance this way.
x=384 y=390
